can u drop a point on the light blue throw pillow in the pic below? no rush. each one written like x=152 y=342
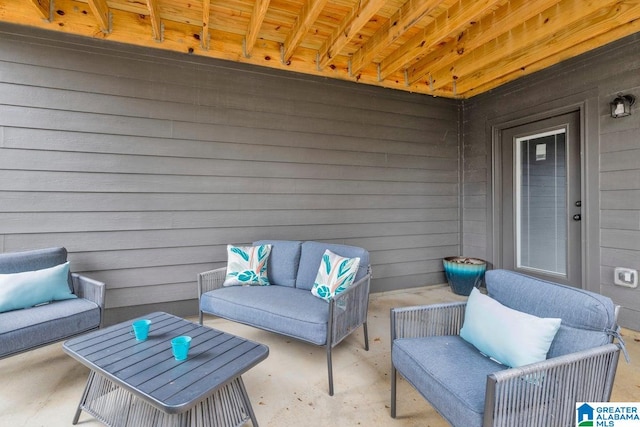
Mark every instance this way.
x=335 y=275
x=511 y=337
x=30 y=288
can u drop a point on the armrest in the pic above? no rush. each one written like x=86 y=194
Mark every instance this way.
x=544 y=392
x=348 y=310
x=210 y=280
x=89 y=289
x=427 y=320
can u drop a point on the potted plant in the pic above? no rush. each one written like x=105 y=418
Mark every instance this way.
x=464 y=273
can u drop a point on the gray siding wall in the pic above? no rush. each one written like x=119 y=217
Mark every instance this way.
x=145 y=164
x=611 y=155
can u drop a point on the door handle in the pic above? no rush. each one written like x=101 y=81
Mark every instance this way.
x=577 y=217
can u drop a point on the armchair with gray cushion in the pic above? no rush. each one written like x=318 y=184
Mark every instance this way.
x=43 y=302
x=470 y=389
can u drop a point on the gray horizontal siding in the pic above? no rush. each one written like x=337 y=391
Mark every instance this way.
x=146 y=164
x=613 y=171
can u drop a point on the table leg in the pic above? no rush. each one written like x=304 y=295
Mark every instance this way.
x=247 y=402
x=83 y=399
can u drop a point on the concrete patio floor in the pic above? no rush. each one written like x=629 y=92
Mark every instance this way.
x=43 y=387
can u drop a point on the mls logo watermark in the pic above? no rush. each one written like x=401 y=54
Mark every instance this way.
x=608 y=414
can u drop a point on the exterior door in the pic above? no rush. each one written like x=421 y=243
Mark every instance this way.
x=541 y=199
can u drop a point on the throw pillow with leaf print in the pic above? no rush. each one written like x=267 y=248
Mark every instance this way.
x=335 y=275
x=247 y=265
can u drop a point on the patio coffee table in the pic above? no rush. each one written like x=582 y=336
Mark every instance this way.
x=138 y=384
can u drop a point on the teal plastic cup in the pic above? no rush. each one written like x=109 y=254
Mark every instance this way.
x=141 y=329
x=180 y=346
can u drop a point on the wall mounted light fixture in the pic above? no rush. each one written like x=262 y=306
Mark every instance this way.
x=621 y=106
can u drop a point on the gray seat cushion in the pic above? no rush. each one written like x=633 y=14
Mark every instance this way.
x=311 y=257
x=282 y=265
x=32 y=327
x=449 y=372
x=289 y=311
x=588 y=327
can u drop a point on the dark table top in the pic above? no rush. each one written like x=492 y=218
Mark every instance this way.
x=148 y=368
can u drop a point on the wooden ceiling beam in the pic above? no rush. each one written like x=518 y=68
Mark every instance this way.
x=632 y=27
x=487 y=29
x=45 y=8
x=348 y=29
x=100 y=11
x=205 y=36
x=573 y=38
x=525 y=37
x=257 y=17
x=154 y=16
x=401 y=21
x=308 y=14
x=446 y=25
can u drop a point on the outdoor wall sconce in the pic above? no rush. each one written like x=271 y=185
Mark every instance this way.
x=621 y=106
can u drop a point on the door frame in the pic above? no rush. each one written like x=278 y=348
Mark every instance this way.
x=587 y=108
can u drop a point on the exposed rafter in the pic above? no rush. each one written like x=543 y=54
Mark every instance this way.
x=154 y=15
x=259 y=12
x=541 y=27
x=631 y=26
x=44 y=7
x=348 y=29
x=101 y=12
x=205 y=35
x=568 y=34
x=411 y=12
x=449 y=48
x=308 y=14
x=487 y=29
x=445 y=26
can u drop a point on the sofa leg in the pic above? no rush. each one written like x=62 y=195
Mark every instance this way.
x=393 y=391
x=366 y=336
x=200 y=317
x=330 y=369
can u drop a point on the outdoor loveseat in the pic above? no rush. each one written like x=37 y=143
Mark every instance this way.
x=42 y=302
x=470 y=389
x=287 y=305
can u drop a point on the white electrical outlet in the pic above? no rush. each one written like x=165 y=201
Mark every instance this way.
x=625 y=277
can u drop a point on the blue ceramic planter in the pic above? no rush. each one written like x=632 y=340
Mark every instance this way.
x=463 y=274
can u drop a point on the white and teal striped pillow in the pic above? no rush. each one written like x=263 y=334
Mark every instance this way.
x=335 y=275
x=247 y=265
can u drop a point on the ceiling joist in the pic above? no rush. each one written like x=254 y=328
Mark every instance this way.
x=45 y=8
x=308 y=15
x=445 y=26
x=411 y=12
x=566 y=35
x=205 y=36
x=487 y=29
x=154 y=16
x=101 y=12
x=517 y=42
x=449 y=48
x=259 y=12
x=347 y=30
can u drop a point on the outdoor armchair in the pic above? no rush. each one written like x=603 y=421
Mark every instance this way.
x=469 y=389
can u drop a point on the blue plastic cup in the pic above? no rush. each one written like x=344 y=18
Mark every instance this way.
x=180 y=346
x=141 y=329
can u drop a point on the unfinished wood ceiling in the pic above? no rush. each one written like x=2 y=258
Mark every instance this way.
x=449 y=48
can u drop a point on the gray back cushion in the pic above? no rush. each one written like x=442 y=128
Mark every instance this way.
x=37 y=259
x=312 y=256
x=587 y=317
x=282 y=266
